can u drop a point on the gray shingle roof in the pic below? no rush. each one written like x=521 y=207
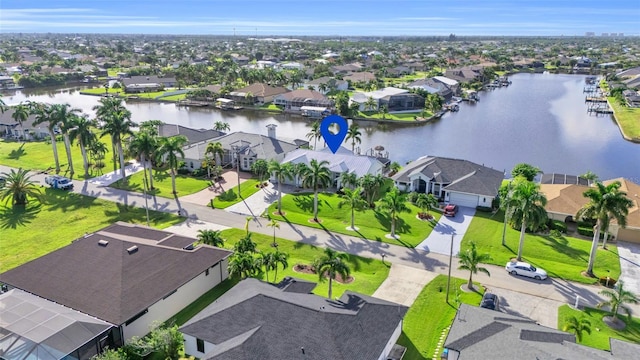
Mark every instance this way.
x=256 y=320
x=192 y=135
x=106 y=281
x=263 y=146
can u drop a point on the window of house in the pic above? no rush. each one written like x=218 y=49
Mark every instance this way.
x=200 y=345
x=206 y=272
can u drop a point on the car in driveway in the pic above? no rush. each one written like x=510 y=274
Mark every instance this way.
x=489 y=301
x=451 y=210
x=525 y=269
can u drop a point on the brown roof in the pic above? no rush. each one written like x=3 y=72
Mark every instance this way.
x=109 y=282
x=633 y=192
x=304 y=94
x=260 y=89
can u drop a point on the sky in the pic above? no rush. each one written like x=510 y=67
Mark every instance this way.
x=327 y=17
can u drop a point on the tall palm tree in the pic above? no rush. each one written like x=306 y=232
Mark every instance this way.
x=281 y=172
x=314 y=134
x=348 y=179
x=83 y=134
x=470 y=260
x=370 y=104
x=245 y=245
x=221 y=126
x=354 y=135
x=170 y=148
x=371 y=185
x=527 y=204
x=143 y=145
x=572 y=324
x=19 y=187
x=116 y=122
x=353 y=200
x=275 y=225
x=298 y=171
x=20 y=115
x=331 y=264
x=605 y=202
x=618 y=297
x=268 y=261
x=43 y=114
x=216 y=150
x=316 y=177
x=393 y=203
x=64 y=117
x=211 y=237
x=279 y=258
x=242 y=264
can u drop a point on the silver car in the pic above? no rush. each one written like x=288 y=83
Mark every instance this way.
x=525 y=269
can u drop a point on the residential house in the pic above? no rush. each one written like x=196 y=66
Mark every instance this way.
x=257 y=93
x=443 y=86
x=347 y=68
x=399 y=71
x=464 y=75
x=629 y=73
x=293 y=101
x=39 y=329
x=478 y=333
x=330 y=83
x=259 y=320
x=7 y=83
x=27 y=130
x=131 y=276
x=394 y=99
x=455 y=181
x=193 y=135
x=240 y=59
x=452 y=84
x=360 y=77
x=150 y=83
x=632 y=83
x=632 y=98
x=343 y=161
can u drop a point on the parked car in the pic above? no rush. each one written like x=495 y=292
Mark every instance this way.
x=59 y=182
x=489 y=301
x=451 y=210
x=525 y=269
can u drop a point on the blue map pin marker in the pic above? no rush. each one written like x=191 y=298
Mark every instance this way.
x=334 y=140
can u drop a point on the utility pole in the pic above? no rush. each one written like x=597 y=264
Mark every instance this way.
x=450 y=260
x=506 y=212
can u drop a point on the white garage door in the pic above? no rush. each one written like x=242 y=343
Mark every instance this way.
x=463 y=199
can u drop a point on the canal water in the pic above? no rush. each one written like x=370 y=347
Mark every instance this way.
x=540 y=119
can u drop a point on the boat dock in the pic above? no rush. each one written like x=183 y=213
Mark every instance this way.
x=595 y=99
x=192 y=103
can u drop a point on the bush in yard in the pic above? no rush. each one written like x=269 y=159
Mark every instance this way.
x=228 y=195
x=484 y=208
x=558 y=225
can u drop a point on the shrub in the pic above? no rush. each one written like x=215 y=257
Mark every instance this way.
x=558 y=225
x=484 y=209
x=588 y=232
x=412 y=196
x=228 y=195
x=199 y=172
x=183 y=171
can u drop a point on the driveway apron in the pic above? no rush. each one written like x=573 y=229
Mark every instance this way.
x=630 y=265
x=439 y=241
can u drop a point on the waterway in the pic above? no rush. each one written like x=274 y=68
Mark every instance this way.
x=540 y=119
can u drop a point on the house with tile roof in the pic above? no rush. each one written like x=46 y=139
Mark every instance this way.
x=394 y=99
x=193 y=135
x=292 y=102
x=259 y=320
x=257 y=93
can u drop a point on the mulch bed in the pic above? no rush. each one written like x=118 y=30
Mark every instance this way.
x=308 y=269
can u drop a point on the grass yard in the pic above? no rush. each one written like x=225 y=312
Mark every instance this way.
x=270 y=107
x=600 y=332
x=564 y=257
x=202 y=302
x=409 y=117
x=174 y=97
x=100 y=91
x=373 y=224
x=38 y=155
x=628 y=118
x=230 y=197
x=185 y=185
x=39 y=229
x=430 y=315
x=368 y=273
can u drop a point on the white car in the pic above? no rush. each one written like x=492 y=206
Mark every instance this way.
x=525 y=269
x=59 y=182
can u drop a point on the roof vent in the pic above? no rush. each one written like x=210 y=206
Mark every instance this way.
x=103 y=242
x=132 y=249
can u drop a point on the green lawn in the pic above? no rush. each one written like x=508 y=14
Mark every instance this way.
x=600 y=332
x=174 y=97
x=408 y=117
x=373 y=224
x=247 y=189
x=270 y=107
x=185 y=185
x=430 y=315
x=202 y=302
x=368 y=273
x=100 y=91
x=39 y=229
x=564 y=257
x=38 y=155
x=628 y=118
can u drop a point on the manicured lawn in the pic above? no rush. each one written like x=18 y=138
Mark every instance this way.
x=270 y=107
x=174 y=97
x=430 y=315
x=185 y=185
x=26 y=234
x=600 y=332
x=247 y=189
x=409 y=117
x=564 y=257
x=202 y=302
x=38 y=155
x=373 y=224
x=100 y=91
x=368 y=273
x=628 y=118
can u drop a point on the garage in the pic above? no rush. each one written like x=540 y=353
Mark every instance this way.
x=629 y=234
x=463 y=199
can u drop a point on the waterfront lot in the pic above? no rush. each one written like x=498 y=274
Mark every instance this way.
x=185 y=184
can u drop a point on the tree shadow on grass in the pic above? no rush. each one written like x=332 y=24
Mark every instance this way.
x=562 y=246
x=65 y=200
x=305 y=203
x=402 y=227
x=16 y=154
x=12 y=217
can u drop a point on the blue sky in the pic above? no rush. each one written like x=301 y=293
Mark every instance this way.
x=328 y=17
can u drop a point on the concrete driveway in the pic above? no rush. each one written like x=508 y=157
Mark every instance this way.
x=543 y=310
x=630 y=265
x=439 y=241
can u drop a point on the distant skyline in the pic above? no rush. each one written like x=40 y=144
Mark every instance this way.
x=328 y=17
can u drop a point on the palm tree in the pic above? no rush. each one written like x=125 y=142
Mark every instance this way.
x=395 y=167
x=83 y=134
x=605 y=202
x=315 y=177
x=354 y=135
x=97 y=151
x=242 y=264
x=116 y=122
x=314 y=134
x=470 y=260
x=354 y=201
x=527 y=204
x=275 y=225
x=216 y=150
x=617 y=298
x=572 y=324
x=143 y=145
x=370 y=104
x=43 y=115
x=268 y=261
x=298 y=171
x=348 y=180
x=384 y=110
x=221 y=126
x=245 y=245
x=426 y=202
x=211 y=237
x=281 y=172
x=371 y=185
x=19 y=187
x=20 y=115
x=331 y=264
x=63 y=117
x=279 y=258
x=394 y=202
x=169 y=149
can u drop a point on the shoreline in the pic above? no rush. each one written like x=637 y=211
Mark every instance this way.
x=621 y=128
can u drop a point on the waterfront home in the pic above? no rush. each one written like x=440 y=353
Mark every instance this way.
x=454 y=181
x=632 y=97
x=360 y=77
x=260 y=320
x=192 y=135
x=257 y=93
x=293 y=101
x=443 y=86
x=7 y=83
x=464 y=75
x=10 y=128
x=330 y=84
x=131 y=276
x=150 y=83
x=394 y=99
